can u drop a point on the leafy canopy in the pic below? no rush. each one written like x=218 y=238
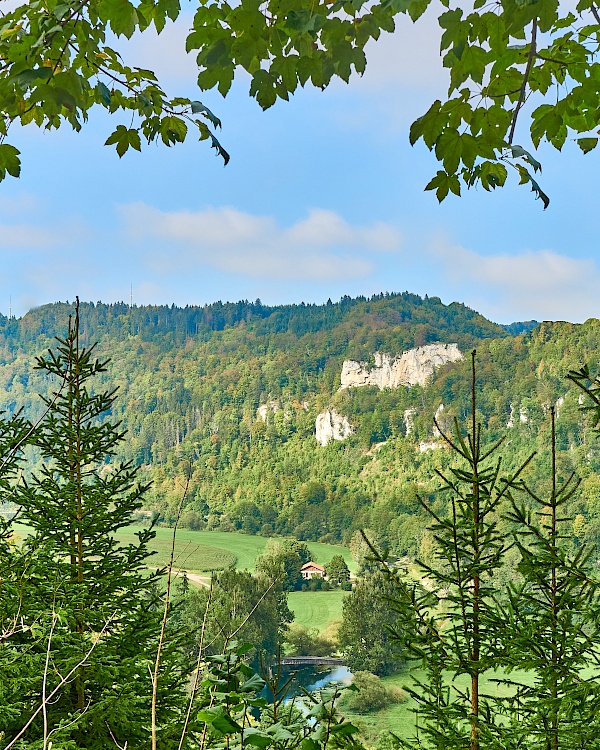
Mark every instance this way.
x=56 y=65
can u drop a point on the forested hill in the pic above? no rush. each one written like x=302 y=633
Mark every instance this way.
x=405 y=318
x=192 y=382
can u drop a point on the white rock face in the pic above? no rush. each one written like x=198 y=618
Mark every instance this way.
x=264 y=409
x=438 y=415
x=424 y=447
x=413 y=367
x=409 y=420
x=331 y=426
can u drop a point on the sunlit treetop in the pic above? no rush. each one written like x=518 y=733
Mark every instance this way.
x=56 y=66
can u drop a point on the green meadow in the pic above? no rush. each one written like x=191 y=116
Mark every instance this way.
x=316 y=609
x=204 y=551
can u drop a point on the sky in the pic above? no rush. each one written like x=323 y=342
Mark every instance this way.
x=323 y=197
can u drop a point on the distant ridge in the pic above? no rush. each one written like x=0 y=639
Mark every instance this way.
x=523 y=327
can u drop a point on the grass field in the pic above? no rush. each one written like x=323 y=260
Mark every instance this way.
x=316 y=609
x=203 y=551
x=215 y=550
x=400 y=719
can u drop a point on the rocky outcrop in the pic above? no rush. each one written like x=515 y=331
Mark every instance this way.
x=437 y=420
x=424 y=446
x=523 y=416
x=413 y=367
x=409 y=420
x=264 y=410
x=331 y=426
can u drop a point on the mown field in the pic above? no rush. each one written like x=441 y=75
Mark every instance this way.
x=204 y=551
x=316 y=609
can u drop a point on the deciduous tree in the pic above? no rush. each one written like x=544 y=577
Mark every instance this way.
x=364 y=633
x=57 y=66
x=336 y=569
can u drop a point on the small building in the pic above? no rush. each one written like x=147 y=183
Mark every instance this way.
x=312 y=570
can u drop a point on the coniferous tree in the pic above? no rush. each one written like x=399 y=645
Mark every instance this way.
x=14 y=562
x=457 y=643
x=91 y=602
x=553 y=625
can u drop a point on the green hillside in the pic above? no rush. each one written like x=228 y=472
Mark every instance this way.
x=192 y=380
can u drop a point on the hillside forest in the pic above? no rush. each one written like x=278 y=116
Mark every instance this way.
x=191 y=383
x=464 y=499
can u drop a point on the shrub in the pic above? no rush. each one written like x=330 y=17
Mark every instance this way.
x=372 y=694
x=309 y=642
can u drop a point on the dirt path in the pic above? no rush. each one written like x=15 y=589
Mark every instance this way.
x=197 y=579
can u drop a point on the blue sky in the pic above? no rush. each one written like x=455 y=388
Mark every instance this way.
x=323 y=197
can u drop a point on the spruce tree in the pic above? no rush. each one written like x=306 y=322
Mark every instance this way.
x=451 y=624
x=552 y=624
x=92 y=603
x=14 y=562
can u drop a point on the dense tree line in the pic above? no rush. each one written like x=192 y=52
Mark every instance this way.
x=194 y=395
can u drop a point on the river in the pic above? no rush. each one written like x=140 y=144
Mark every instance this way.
x=313 y=678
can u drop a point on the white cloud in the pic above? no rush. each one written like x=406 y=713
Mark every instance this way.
x=163 y=53
x=541 y=284
x=18 y=236
x=409 y=57
x=18 y=203
x=323 y=246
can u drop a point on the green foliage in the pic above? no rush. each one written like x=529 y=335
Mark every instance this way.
x=282 y=561
x=554 y=621
x=57 y=66
x=81 y=615
x=239 y=604
x=305 y=641
x=227 y=707
x=371 y=695
x=191 y=381
x=337 y=571
x=497 y=57
x=364 y=633
x=87 y=616
x=469 y=549
x=535 y=637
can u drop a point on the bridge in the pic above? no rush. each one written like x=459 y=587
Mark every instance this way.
x=311 y=661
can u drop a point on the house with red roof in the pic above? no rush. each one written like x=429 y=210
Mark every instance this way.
x=312 y=570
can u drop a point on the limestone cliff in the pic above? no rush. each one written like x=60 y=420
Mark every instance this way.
x=413 y=367
x=331 y=426
x=263 y=411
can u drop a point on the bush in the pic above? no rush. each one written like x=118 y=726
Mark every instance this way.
x=346 y=586
x=372 y=694
x=309 y=642
x=387 y=741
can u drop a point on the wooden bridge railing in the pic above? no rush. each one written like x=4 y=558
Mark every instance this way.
x=309 y=661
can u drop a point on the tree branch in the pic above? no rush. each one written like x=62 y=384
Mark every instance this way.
x=530 y=60
x=63 y=681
